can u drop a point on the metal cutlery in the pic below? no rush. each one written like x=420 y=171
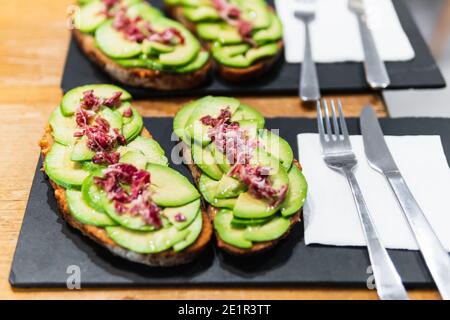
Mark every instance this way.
x=338 y=155
x=309 y=83
x=380 y=159
x=375 y=69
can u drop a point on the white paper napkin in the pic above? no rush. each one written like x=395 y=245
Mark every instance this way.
x=335 y=35
x=330 y=214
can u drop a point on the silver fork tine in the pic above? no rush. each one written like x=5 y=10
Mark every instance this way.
x=320 y=123
x=327 y=120
x=342 y=121
x=335 y=122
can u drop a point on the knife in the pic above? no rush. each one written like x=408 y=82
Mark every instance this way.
x=380 y=159
x=376 y=74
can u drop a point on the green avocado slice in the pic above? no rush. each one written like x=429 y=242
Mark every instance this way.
x=228 y=233
x=114 y=44
x=181 y=119
x=271 y=230
x=147 y=242
x=204 y=159
x=208 y=187
x=84 y=213
x=62 y=170
x=169 y=187
x=72 y=99
x=195 y=228
x=296 y=196
x=189 y=211
x=63 y=127
x=89 y=16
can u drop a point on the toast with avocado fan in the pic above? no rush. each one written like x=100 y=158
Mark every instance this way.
x=243 y=36
x=247 y=174
x=136 y=45
x=112 y=182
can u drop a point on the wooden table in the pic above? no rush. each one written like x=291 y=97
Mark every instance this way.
x=32 y=51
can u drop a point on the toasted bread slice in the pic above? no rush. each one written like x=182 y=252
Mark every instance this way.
x=212 y=211
x=140 y=77
x=163 y=259
x=230 y=73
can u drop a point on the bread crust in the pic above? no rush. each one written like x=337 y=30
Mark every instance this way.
x=231 y=74
x=212 y=212
x=140 y=77
x=162 y=259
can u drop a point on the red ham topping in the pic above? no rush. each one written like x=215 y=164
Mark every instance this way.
x=137 y=29
x=231 y=14
x=179 y=217
x=258 y=182
x=110 y=5
x=128 y=113
x=233 y=141
x=129 y=188
x=101 y=138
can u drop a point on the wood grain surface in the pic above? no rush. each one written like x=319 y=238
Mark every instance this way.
x=34 y=39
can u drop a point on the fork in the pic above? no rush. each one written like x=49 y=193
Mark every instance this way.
x=338 y=155
x=309 y=83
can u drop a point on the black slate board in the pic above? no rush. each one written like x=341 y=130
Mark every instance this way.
x=421 y=72
x=47 y=245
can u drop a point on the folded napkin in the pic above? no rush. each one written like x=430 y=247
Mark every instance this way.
x=330 y=214
x=335 y=34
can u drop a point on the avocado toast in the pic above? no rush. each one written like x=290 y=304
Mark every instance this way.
x=243 y=36
x=112 y=181
x=247 y=174
x=136 y=45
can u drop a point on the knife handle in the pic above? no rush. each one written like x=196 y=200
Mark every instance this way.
x=433 y=252
x=387 y=280
x=376 y=73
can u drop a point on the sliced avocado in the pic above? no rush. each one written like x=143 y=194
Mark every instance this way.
x=255 y=11
x=221 y=159
x=271 y=230
x=91 y=193
x=188 y=211
x=195 y=228
x=208 y=106
x=90 y=16
x=114 y=118
x=134 y=127
x=170 y=188
x=155 y=48
x=62 y=170
x=114 y=44
x=193 y=3
x=203 y=13
x=221 y=32
x=278 y=174
x=208 y=187
x=72 y=99
x=226 y=55
x=250 y=127
x=120 y=110
x=63 y=127
x=296 y=195
x=92 y=167
x=84 y=213
x=183 y=53
x=229 y=187
x=198 y=63
x=277 y=147
x=135 y=158
x=141 y=62
x=273 y=33
x=133 y=222
x=239 y=222
x=81 y=151
x=149 y=147
x=147 y=242
x=181 y=119
x=143 y=9
x=204 y=159
x=229 y=233
x=245 y=112
x=249 y=207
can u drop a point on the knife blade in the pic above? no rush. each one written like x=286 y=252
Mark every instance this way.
x=380 y=159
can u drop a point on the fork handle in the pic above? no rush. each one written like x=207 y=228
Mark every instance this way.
x=388 y=282
x=309 y=83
